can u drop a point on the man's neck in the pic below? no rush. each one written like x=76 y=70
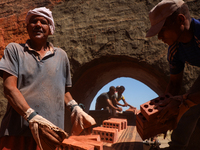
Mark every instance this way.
x=39 y=46
x=186 y=36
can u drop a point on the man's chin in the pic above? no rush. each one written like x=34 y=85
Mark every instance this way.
x=39 y=36
x=168 y=43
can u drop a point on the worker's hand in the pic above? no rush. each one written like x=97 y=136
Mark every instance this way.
x=47 y=135
x=80 y=119
x=132 y=107
x=119 y=109
x=125 y=105
x=171 y=108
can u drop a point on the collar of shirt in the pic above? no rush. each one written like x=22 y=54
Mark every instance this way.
x=50 y=51
x=50 y=45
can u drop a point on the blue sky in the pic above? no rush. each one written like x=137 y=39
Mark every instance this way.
x=136 y=92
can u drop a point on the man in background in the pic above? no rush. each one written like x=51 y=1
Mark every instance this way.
x=105 y=102
x=119 y=96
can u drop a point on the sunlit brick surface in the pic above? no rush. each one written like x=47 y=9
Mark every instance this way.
x=89 y=139
x=109 y=135
x=71 y=144
x=123 y=122
x=86 y=137
x=112 y=124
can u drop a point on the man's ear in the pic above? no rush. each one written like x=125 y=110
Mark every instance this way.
x=181 y=19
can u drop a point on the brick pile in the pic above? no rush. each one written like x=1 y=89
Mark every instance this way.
x=109 y=132
x=111 y=129
x=83 y=142
x=146 y=120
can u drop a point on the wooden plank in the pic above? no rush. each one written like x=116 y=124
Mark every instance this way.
x=129 y=140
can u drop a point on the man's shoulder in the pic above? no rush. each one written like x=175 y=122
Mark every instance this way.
x=196 y=26
x=60 y=51
x=196 y=20
x=15 y=45
x=104 y=95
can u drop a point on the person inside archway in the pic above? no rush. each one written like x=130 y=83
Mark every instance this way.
x=36 y=79
x=105 y=101
x=172 y=23
x=119 y=96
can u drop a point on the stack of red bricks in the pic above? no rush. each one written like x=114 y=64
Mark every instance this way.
x=111 y=129
x=109 y=132
x=146 y=120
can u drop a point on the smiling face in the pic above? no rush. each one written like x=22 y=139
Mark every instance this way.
x=38 y=28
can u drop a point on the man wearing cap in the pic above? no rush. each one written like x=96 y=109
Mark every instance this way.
x=171 y=21
x=36 y=80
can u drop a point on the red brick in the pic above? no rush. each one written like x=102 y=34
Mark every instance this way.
x=132 y=109
x=107 y=134
x=148 y=129
x=143 y=121
x=77 y=145
x=89 y=139
x=123 y=122
x=151 y=108
x=153 y=130
x=146 y=121
x=112 y=124
x=98 y=145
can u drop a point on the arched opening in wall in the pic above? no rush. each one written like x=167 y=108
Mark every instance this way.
x=90 y=78
x=136 y=92
x=93 y=76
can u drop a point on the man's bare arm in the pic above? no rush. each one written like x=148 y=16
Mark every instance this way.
x=68 y=96
x=112 y=106
x=14 y=96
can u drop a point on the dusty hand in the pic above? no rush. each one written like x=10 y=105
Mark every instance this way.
x=46 y=134
x=119 y=108
x=80 y=120
x=125 y=105
x=171 y=108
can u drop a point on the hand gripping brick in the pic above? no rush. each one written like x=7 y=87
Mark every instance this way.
x=108 y=135
x=151 y=108
x=150 y=127
x=146 y=133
